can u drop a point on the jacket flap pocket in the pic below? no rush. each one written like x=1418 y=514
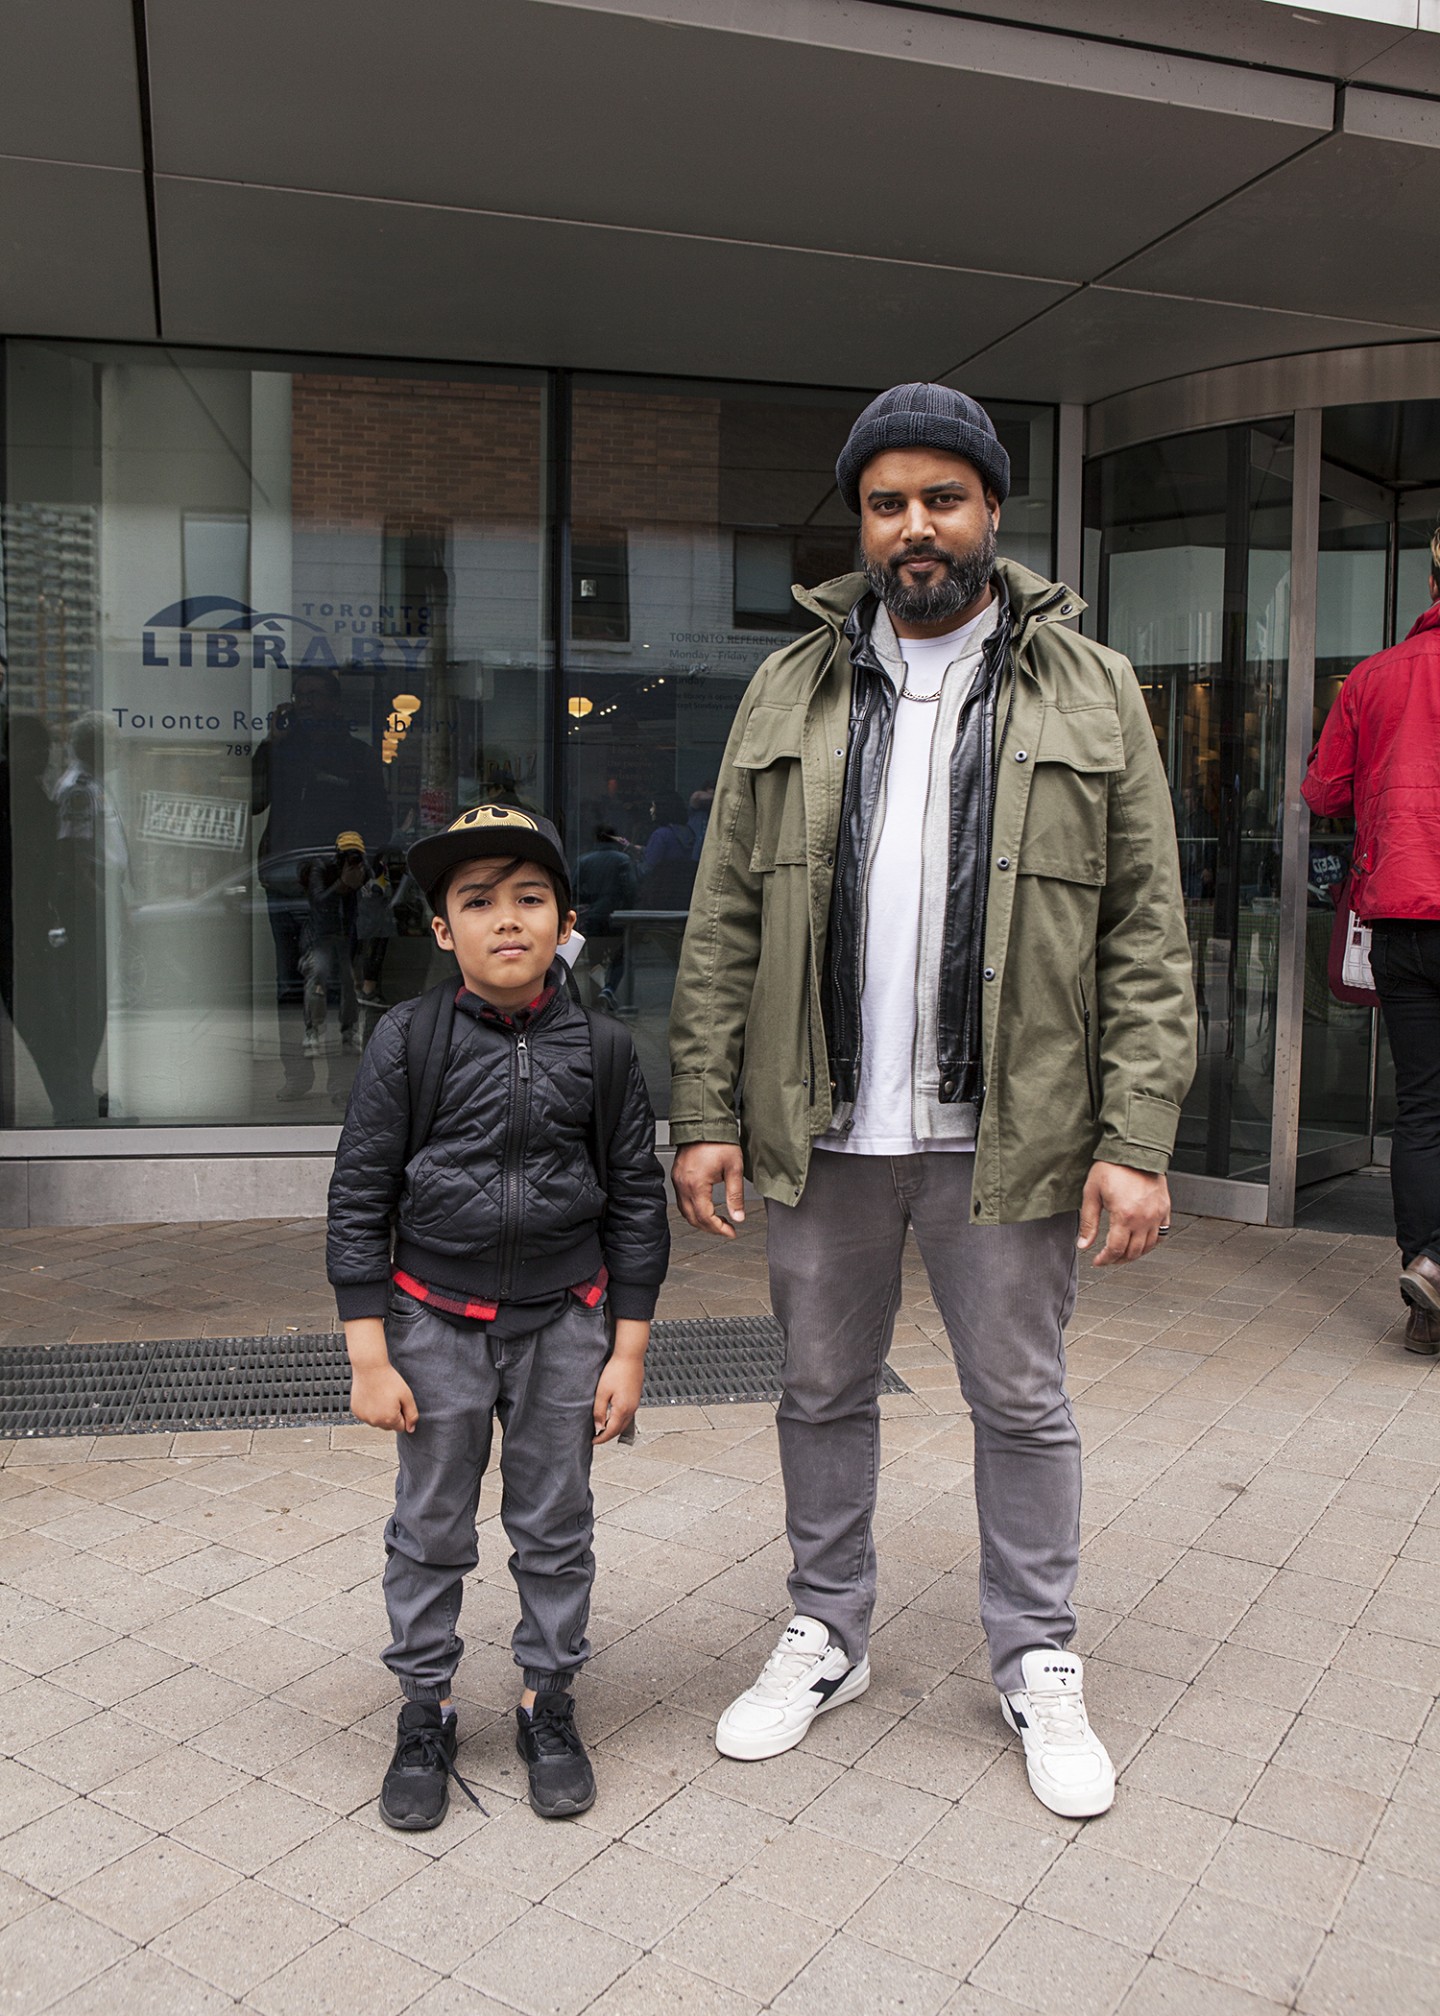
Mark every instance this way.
x=1061 y=864
x=772 y=735
x=1085 y=738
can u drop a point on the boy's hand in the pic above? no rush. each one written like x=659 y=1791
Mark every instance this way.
x=618 y=1394
x=378 y=1395
x=380 y=1398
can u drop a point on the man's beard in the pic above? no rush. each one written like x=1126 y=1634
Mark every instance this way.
x=965 y=578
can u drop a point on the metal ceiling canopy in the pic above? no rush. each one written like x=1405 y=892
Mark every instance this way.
x=700 y=188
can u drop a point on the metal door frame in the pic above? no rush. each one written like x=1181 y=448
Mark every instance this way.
x=1272 y=1202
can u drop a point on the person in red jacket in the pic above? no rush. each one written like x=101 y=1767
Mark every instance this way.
x=1379 y=753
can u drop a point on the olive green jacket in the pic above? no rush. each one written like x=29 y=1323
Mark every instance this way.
x=1089 y=1029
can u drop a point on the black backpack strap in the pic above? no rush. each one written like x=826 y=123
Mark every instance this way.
x=427 y=1046
x=610 y=1049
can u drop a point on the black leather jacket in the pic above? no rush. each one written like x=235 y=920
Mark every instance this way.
x=502 y=1201
x=972 y=801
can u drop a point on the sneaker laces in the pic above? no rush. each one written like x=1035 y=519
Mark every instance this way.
x=555 y=1733
x=1060 y=1719
x=780 y=1672
x=426 y=1749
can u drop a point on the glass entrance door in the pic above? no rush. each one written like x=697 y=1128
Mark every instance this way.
x=1353 y=578
x=1188 y=573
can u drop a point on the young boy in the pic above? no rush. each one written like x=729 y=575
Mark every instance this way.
x=470 y=1277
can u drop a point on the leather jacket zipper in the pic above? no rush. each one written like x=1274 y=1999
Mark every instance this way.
x=862 y=908
x=517 y=1127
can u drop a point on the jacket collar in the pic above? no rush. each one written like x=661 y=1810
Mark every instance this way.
x=1429 y=619
x=846 y=604
x=871 y=636
x=514 y=1018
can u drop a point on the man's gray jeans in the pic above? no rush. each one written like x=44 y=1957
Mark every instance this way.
x=1004 y=1293
x=542 y=1389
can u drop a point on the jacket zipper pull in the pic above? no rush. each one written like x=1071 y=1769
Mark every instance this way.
x=524 y=1052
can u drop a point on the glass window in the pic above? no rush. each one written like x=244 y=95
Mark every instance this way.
x=599 y=585
x=215 y=565
x=1188 y=573
x=720 y=498
x=268 y=620
x=265 y=624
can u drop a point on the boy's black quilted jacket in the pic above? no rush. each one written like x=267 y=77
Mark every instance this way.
x=502 y=1202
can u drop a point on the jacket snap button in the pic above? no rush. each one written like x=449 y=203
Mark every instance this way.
x=829 y=860
x=1022 y=755
x=947 y=1087
x=1067 y=608
x=1003 y=862
x=989 y=972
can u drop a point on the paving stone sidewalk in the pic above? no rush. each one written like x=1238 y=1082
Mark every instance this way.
x=193 y=1720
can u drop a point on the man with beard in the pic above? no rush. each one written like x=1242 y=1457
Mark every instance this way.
x=937 y=931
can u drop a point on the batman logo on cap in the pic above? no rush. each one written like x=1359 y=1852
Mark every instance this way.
x=492 y=815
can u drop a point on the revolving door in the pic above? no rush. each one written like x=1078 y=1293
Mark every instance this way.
x=1244 y=570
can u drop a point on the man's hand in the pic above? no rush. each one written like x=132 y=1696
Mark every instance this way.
x=698 y=1168
x=378 y=1395
x=618 y=1394
x=1138 y=1204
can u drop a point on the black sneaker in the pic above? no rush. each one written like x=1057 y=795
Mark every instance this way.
x=416 y=1793
x=561 y=1780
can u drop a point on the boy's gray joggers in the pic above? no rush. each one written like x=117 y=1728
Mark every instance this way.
x=542 y=1387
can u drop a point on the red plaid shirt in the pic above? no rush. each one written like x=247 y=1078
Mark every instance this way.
x=591 y=1293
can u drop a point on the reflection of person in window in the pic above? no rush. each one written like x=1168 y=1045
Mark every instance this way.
x=92 y=860
x=700 y=803
x=315 y=779
x=332 y=888
x=607 y=882
x=28 y=952
x=374 y=928
x=671 y=855
x=1195 y=828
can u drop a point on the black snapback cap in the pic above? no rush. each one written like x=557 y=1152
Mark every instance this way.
x=502 y=831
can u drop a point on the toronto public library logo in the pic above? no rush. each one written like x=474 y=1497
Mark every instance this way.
x=220 y=634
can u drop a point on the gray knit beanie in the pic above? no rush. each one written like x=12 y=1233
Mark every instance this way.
x=923 y=416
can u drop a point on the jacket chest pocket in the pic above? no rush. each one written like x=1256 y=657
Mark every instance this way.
x=770 y=752
x=1080 y=751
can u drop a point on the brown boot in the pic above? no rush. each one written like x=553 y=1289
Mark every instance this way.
x=1422 y=1333
x=1420 y=1285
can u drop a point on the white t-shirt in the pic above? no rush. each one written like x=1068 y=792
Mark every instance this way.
x=883 y=1121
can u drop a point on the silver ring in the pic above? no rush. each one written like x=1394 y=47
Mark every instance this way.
x=1162 y=1230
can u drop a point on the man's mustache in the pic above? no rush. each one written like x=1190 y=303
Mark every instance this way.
x=920 y=553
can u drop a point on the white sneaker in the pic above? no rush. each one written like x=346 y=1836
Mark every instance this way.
x=1070 y=1769
x=803 y=1676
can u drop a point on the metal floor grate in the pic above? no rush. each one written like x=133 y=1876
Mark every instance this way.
x=300 y=1380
